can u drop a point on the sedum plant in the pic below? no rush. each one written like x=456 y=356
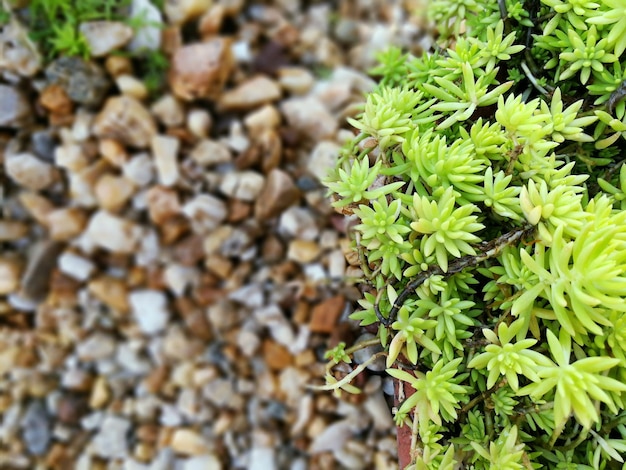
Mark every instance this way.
x=487 y=181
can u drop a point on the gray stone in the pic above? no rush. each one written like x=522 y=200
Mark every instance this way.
x=84 y=82
x=36 y=428
x=15 y=108
x=111 y=441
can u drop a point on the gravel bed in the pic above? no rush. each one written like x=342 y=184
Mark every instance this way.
x=171 y=272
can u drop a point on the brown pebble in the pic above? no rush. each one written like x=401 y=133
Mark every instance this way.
x=189 y=251
x=113 y=151
x=66 y=223
x=195 y=319
x=155 y=380
x=163 y=203
x=238 y=210
x=63 y=290
x=276 y=356
x=71 y=408
x=55 y=100
x=10 y=272
x=173 y=229
x=113 y=192
x=127 y=120
x=325 y=314
x=110 y=291
x=200 y=70
x=11 y=230
x=273 y=249
x=118 y=65
x=278 y=193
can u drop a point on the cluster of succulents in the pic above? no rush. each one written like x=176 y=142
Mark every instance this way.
x=489 y=196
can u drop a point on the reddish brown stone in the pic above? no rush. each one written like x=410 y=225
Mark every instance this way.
x=54 y=99
x=238 y=210
x=325 y=314
x=277 y=357
x=174 y=228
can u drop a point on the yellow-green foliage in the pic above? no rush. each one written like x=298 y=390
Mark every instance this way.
x=495 y=232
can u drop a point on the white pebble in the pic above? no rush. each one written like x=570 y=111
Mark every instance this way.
x=150 y=310
x=165 y=151
x=76 y=266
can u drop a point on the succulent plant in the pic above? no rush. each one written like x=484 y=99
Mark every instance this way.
x=491 y=198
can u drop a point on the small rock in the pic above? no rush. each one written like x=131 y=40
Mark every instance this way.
x=169 y=111
x=56 y=100
x=84 y=82
x=200 y=70
x=206 y=212
x=248 y=342
x=131 y=86
x=303 y=251
x=309 y=117
x=222 y=394
x=113 y=233
x=105 y=36
x=178 y=278
x=19 y=53
x=204 y=462
x=250 y=94
x=162 y=203
x=100 y=393
x=111 y=292
x=44 y=144
x=117 y=65
x=113 y=152
x=148 y=35
x=377 y=407
x=111 y=441
x=298 y=222
x=278 y=193
x=96 y=347
x=296 y=80
x=10 y=272
x=210 y=153
x=29 y=171
x=243 y=185
x=181 y=11
x=165 y=151
x=276 y=356
x=325 y=315
x=125 y=119
x=41 y=263
x=336 y=264
x=76 y=266
x=66 y=223
x=11 y=230
x=82 y=184
x=36 y=428
x=150 y=310
x=189 y=442
x=323 y=158
x=264 y=118
x=262 y=458
x=113 y=192
x=332 y=438
x=199 y=122
x=139 y=169
x=15 y=108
